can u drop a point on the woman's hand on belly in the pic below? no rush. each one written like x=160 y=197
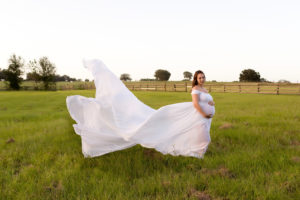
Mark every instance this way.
x=209 y=116
x=211 y=103
x=208 y=110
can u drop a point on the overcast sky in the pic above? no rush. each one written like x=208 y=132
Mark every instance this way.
x=220 y=37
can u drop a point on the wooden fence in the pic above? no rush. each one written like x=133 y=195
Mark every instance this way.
x=223 y=88
x=258 y=88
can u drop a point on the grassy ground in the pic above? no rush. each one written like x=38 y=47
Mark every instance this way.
x=254 y=152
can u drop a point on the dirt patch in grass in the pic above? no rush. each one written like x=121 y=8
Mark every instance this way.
x=226 y=126
x=166 y=183
x=288 y=186
x=221 y=171
x=247 y=124
x=10 y=140
x=200 y=195
x=152 y=154
x=54 y=186
x=295 y=143
x=3 y=108
x=295 y=159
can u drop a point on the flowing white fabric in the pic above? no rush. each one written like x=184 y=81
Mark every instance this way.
x=115 y=119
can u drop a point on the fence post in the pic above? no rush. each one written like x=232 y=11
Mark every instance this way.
x=165 y=87
x=209 y=88
x=133 y=87
x=277 y=89
x=185 y=86
x=174 y=87
x=240 y=88
x=258 y=88
x=224 y=88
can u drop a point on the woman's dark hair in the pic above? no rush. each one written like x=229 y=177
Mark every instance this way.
x=195 y=82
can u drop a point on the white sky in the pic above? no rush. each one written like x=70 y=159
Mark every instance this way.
x=220 y=37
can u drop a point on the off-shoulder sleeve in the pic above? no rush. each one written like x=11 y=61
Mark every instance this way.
x=195 y=92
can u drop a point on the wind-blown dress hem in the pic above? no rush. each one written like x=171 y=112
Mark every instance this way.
x=115 y=119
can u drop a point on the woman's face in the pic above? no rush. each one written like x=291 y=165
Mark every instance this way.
x=200 y=79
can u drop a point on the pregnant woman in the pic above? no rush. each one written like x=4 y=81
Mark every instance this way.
x=115 y=119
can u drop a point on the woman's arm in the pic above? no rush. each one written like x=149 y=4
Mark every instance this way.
x=195 y=99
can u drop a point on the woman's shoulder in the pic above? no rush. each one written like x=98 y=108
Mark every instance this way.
x=198 y=89
x=195 y=90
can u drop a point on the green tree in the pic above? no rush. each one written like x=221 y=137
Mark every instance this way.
x=46 y=72
x=249 y=75
x=263 y=80
x=125 y=77
x=162 y=75
x=30 y=76
x=14 y=71
x=187 y=75
x=33 y=75
x=2 y=75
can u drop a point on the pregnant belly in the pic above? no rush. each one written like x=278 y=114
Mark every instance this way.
x=208 y=109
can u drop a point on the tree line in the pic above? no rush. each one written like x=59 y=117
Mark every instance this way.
x=44 y=71
x=247 y=75
x=41 y=71
x=160 y=75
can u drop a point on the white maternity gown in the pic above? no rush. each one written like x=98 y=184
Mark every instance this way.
x=115 y=119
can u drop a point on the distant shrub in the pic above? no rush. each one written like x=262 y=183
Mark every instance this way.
x=187 y=75
x=162 y=75
x=283 y=81
x=125 y=77
x=147 y=79
x=249 y=75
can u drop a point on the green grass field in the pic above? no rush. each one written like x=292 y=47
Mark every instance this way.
x=254 y=153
